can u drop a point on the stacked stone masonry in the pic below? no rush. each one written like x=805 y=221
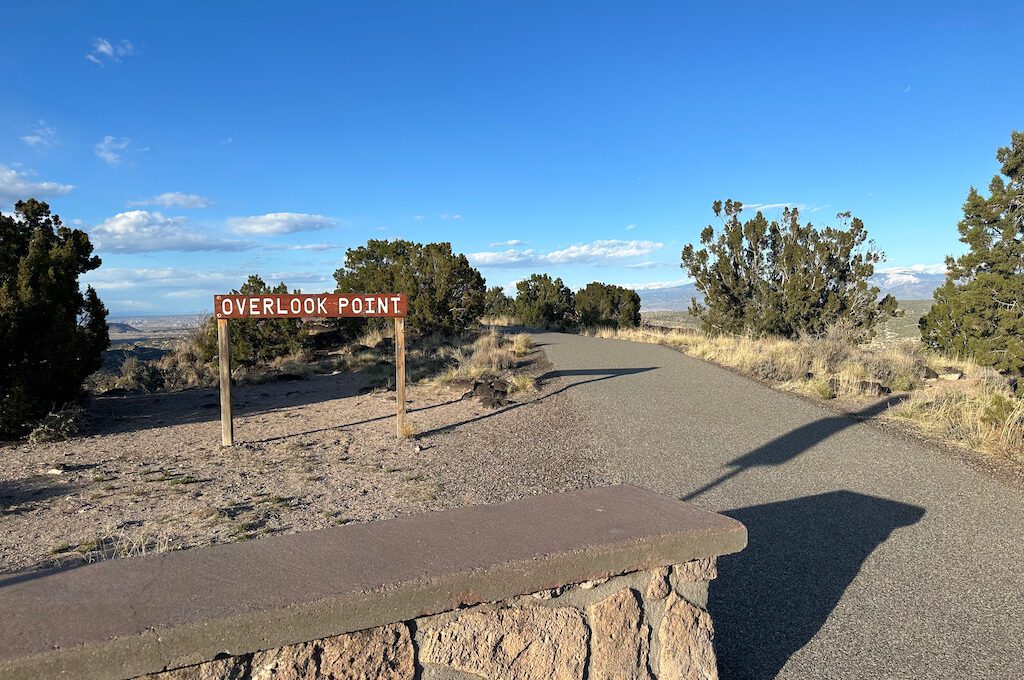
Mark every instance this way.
x=643 y=625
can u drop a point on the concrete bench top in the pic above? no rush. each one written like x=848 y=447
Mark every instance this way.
x=128 y=617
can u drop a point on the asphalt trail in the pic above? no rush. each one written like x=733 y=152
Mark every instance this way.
x=869 y=556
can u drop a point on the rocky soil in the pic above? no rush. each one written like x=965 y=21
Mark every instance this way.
x=148 y=474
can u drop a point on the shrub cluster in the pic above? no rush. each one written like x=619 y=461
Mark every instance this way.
x=784 y=279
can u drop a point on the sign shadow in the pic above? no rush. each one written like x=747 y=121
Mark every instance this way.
x=772 y=598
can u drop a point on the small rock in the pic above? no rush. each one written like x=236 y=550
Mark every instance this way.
x=929 y=374
x=950 y=375
x=56 y=470
x=808 y=376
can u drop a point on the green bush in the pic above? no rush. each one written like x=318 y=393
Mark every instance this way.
x=446 y=294
x=602 y=304
x=51 y=334
x=785 y=279
x=542 y=301
x=256 y=341
x=496 y=303
x=979 y=311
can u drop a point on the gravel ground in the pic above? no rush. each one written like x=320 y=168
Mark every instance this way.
x=149 y=475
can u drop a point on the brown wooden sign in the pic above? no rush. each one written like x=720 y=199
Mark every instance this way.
x=320 y=305
x=300 y=306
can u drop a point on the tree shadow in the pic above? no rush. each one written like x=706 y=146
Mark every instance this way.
x=594 y=375
x=785 y=448
x=19 y=495
x=772 y=598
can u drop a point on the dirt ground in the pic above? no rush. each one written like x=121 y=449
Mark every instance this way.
x=149 y=473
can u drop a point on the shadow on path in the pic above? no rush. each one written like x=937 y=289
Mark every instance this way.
x=785 y=448
x=772 y=598
x=595 y=375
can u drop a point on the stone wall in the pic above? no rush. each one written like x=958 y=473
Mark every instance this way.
x=638 y=625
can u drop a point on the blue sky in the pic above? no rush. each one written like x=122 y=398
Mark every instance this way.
x=200 y=142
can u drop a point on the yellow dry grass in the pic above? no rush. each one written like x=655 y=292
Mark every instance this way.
x=490 y=355
x=978 y=411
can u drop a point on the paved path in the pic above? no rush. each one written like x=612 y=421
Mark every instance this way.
x=869 y=557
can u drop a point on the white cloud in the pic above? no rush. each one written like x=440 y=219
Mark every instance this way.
x=650 y=264
x=603 y=250
x=420 y=218
x=504 y=258
x=103 y=51
x=175 y=198
x=279 y=223
x=514 y=243
x=16 y=185
x=42 y=135
x=630 y=227
x=594 y=252
x=111 y=149
x=141 y=231
x=450 y=216
x=314 y=246
x=772 y=206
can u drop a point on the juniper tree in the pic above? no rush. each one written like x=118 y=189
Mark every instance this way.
x=445 y=293
x=606 y=304
x=255 y=340
x=785 y=278
x=542 y=301
x=51 y=334
x=496 y=303
x=979 y=311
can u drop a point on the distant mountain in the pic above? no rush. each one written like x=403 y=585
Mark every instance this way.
x=909 y=283
x=668 y=299
x=903 y=283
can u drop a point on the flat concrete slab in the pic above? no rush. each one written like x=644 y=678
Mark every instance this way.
x=128 y=617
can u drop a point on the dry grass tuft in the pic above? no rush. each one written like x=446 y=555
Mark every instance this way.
x=490 y=355
x=58 y=425
x=521 y=343
x=501 y=320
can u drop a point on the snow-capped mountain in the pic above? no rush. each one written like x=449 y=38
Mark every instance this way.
x=916 y=282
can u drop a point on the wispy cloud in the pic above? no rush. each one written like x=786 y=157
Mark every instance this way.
x=772 y=206
x=175 y=199
x=420 y=218
x=513 y=243
x=594 y=252
x=16 y=185
x=650 y=264
x=279 y=223
x=42 y=135
x=450 y=216
x=104 y=52
x=315 y=247
x=111 y=149
x=630 y=227
x=142 y=231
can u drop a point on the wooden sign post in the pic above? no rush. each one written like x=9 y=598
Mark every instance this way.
x=300 y=306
